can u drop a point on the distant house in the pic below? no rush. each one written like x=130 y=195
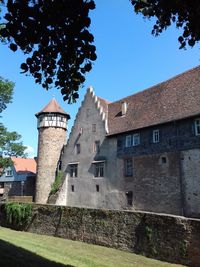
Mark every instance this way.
x=19 y=179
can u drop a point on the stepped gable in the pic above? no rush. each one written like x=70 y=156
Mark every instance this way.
x=101 y=105
x=174 y=99
x=53 y=107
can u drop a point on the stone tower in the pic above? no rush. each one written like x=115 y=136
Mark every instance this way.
x=52 y=126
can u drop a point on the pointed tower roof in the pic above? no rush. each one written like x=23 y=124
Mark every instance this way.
x=52 y=107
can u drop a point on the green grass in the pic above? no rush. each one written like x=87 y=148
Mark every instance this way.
x=30 y=250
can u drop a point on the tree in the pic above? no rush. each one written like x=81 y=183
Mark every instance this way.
x=55 y=35
x=184 y=14
x=10 y=144
x=6 y=91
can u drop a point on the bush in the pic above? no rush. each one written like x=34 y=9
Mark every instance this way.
x=18 y=214
x=55 y=186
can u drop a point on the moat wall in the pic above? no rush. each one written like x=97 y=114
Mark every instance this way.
x=169 y=238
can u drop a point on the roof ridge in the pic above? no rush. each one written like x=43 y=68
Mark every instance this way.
x=173 y=99
x=158 y=84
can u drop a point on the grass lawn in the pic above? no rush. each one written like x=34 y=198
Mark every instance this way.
x=22 y=249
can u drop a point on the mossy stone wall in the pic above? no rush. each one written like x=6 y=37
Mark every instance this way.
x=169 y=238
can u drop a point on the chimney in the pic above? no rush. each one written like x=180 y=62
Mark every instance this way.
x=124 y=108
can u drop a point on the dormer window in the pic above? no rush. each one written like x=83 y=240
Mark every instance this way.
x=197 y=126
x=124 y=108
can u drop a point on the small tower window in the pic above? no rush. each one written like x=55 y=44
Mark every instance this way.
x=163 y=160
x=72 y=188
x=78 y=148
x=93 y=128
x=97 y=187
x=129 y=198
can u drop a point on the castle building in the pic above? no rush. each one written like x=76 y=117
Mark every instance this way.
x=141 y=152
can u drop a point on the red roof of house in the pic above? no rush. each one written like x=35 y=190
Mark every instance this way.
x=174 y=99
x=52 y=107
x=24 y=164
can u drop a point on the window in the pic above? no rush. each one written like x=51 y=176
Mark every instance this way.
x=72 y=188
x=163 y=160
x=156 y=136
x=9 y=173
x=59 y=165
x=197 y=127
x=97 y=187
x=136 y=139
x=73 y=170
x=93 y=128
x=119 y=144
x=88 y=112
x=99 y=169
x=128 y=167
x=78 y=148
x=128 y=141
x=96 y=146
x=1 y=184
x=129 y=198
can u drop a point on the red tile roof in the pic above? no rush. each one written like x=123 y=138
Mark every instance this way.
x=174 y=99
x=24 y=164
x=52 y=107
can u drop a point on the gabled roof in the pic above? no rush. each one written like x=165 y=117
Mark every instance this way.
x=53 y=107
x=174 y=99
x=24 y=164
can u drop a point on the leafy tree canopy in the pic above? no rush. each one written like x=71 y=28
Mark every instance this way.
x=184 y=13
x=6 y=91
x=55 y=34
x=10 y=144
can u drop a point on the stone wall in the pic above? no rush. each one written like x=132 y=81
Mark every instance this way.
x=156 y=185
x=169 y=238
x=190 y=165
x=50 y=143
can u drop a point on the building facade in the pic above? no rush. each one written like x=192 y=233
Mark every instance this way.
x=141 y=152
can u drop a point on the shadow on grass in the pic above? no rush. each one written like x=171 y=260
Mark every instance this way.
x=13 y=256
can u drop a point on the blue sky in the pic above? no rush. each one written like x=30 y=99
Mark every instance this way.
x=129 y=60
